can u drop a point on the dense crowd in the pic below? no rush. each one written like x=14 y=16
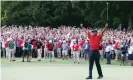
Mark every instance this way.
x=63 y=42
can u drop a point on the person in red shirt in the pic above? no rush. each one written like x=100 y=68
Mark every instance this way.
x=45 y=49
x=58 y=44
x=51 y=50
x=34 y=46
x=20 y=42
x=19 y=47
x=95 y=39
x=116 y=47
x=7 y=49
x=81 y=43
x=75 y=48
x=69 y=49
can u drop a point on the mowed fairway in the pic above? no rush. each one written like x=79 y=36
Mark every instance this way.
x=60 y=70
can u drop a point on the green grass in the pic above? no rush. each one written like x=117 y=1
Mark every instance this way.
x=6 y=62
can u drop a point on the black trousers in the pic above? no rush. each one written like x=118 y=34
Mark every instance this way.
x=95 y=56
x=26 y=53
x=123 y=60
x=34 y=53
x=19 y=52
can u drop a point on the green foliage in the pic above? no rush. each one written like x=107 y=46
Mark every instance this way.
x=55 y=13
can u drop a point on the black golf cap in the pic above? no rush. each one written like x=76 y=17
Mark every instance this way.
x=94 y=31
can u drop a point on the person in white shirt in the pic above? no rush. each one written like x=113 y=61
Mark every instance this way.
x=130 y=54
x=108 y=50
x=3 y=48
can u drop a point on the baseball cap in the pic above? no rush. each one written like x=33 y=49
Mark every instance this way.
x=50 y=41
x=94 y=31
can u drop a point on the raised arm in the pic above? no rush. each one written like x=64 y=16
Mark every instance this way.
x=106 y=25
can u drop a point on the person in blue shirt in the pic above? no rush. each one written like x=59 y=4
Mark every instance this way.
x=86 y=50
x=54 y=42
x=64 y=50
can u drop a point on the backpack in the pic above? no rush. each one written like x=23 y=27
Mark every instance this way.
x=11 y=45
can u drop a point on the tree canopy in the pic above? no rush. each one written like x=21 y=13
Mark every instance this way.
x=55 y=13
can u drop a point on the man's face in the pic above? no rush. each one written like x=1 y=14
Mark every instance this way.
x=94 y=33
x=38 y=39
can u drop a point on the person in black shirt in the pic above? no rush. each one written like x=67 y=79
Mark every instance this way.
x=39 y=49
x=25 y=44
x=123 y=51
x=27 y=50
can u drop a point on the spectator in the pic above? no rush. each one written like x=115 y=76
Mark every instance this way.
x=45 y=49
x=7 y=48
x=59 y=48
x=11 y=46
x=75 y=52
x=64 y=50
x=81 y=43
x=123 y=55
x=130 y=54
x=86 y=50
x=3 y=48
x=39 y=49
x=27 y=50
x=108 y=50
x=51 y=50
x=33 y=42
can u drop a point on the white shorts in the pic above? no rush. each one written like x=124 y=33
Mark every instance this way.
x=64 y=52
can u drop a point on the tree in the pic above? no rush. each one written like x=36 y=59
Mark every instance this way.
x=55 y=13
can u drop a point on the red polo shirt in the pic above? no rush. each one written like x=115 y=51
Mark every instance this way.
x=81 y=43
x=20 y=42
x=58 y=44
x=68 y=43
x=116 y=46
x=6 y=44
x=75 y=47
x=50 y=47
x=94 y=41
x=34 y=44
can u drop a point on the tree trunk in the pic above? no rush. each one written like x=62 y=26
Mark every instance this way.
x=130 y=22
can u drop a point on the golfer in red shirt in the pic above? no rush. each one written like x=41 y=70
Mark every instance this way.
x=95 y=39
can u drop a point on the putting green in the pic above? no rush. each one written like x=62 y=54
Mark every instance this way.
x=60 y=70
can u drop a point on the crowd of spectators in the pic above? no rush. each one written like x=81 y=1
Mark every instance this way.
x=61 y=41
